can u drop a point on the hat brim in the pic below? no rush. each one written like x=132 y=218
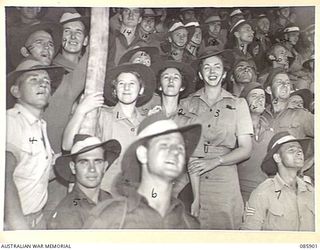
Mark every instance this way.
x=185 y=69
x=146 y=74
x=19 y=40
x=55 y=73
x=234 y=28
x=130 y=166
x=226 y=55
x=112 y=150
x=84 y=19
x=269 y=166
x=153 y=52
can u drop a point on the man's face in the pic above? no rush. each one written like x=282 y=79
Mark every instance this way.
x=40 y=46
x=142 y=58
x=89 y=168
x=281 y=56
x=264 y=25
x=127 y=88
x=256 y=99
x=214 y=29
x=148 y=24
x=243 y=72
x=245 y=33
x=212 y=70
x=34 y=89
x=293 y=37
x=180 y=37
x=73 y=37
x=291 y=154
x=30 y=12
x=166 y=156
x=281 y=86
x=171 y=82
x=285 y=12
x=188 y=15
x=295 y=101
x=197 y=36
x=131 y=17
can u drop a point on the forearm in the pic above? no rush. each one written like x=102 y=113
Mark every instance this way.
x=235 y=156
x=13 y=216
x=195 y=184
x=71 y=130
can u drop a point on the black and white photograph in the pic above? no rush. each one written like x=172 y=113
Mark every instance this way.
x=184 y=118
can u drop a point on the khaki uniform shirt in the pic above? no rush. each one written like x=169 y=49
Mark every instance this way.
x=276 y=206
x=27 y=139
x=113 y=124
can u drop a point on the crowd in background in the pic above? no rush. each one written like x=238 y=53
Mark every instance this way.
x=245 y=74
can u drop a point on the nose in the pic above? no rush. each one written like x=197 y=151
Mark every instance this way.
x=92 y=167
x=126 y=86
x=73 y=35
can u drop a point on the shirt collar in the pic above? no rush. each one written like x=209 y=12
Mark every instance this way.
x=27 y=114
x=79 y=194
x=119 y=115
x=224 y=94
x=280 y=183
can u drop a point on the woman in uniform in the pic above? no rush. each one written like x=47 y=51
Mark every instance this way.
x=225 y=141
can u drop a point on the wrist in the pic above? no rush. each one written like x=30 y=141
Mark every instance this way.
x=220 y=160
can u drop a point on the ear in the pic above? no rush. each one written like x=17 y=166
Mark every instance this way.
x=170 y=39
x=24 y=52
x=236 y=34
x=224 y=75
x=85 y=41
x=14 y=90
x=140 y=19
x=106 y=166
x=268 y=90
x=271 y=57
x=141 y=90
x=200 y=75
x=120 y=17
x=232 y=78
x=276 y=157
x=182 y=88
x=72 y=166
x=141 y=153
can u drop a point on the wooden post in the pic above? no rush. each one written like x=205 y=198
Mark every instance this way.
x=98 y=54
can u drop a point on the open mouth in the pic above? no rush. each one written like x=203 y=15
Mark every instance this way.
x=213 y=78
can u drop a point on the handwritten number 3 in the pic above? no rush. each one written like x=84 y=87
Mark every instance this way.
x=217 y=113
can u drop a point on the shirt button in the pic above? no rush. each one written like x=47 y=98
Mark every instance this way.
x=208 y=142
x=47 y=157
x=207 y=177
x=209 y=126
x=210 y=110
x=132 y=129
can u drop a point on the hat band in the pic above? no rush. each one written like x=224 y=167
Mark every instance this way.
x=157 y=128
x=85 y=143
x=237 y=24
x=192 y=24
x=291 y=29
x=284 y=139
x=175 y=26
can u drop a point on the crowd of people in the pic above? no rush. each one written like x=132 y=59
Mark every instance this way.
x=205 y=121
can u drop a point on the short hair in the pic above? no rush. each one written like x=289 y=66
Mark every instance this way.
x=161 y=71
x=115 y=82
x=140 y=10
